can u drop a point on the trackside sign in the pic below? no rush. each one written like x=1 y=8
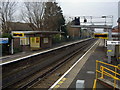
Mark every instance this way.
x=113 y=42
x=3 y=40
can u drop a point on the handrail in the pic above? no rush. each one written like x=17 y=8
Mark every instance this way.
x=107 y=64
x=94 y=86
x=108 y=74
x=110 y=70
x=106 y=71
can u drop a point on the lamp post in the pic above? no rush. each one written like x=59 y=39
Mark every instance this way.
x=12 y=51
x=118 y=38
x=110 y=48
x=61 y=31
x=60 y=34
x=104 y=18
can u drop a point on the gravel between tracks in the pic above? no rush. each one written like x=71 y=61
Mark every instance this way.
x=47 y=82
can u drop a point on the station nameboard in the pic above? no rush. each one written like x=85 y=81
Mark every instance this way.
x=3 y=40
x=101 y=35
x=113 y=42
x=18 y=34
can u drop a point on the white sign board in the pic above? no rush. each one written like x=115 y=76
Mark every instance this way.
x=3 y=40
x=113 y=42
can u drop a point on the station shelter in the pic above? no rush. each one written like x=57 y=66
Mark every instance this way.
x=32 y=40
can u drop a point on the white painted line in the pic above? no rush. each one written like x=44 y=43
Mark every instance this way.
x=70 y=69
x=4 y=57
x=43 y=52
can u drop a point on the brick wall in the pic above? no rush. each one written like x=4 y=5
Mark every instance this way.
x=74 y=32
x=44 y=44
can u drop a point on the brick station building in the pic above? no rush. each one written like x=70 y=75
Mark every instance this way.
x=32 y=40
x=26 y=39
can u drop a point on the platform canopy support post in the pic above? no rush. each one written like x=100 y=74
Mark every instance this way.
x=12 y=51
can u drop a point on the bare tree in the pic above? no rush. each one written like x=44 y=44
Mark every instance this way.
x=33 y=14
x=7 y=10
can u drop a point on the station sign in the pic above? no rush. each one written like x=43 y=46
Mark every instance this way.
x=101 y=35
x=3 y=40
x=18 y=34
x=113 y=42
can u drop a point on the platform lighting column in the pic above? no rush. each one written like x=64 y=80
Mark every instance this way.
x=110 y=38
x=12 y=45
x=61 y=31
x=118 y=38
x=73 y=33
x=104 y=18
x=91 y=20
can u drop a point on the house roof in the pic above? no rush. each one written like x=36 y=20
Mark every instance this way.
x=118 y=20
x=18 y=26
x=115 y=27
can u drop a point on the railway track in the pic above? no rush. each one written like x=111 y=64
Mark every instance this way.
x=46 y=69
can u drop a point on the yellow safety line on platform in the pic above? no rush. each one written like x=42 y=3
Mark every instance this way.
x=52 y=87
x=59 y=83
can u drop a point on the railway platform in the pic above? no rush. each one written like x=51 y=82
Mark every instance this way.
x=18 y=56
x=85 y=70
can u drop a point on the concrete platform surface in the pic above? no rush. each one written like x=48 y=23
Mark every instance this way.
x=85 y=69
x=87 y=72
x=19 y=56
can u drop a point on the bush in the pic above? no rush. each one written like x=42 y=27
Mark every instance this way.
x=6 y=47
x=57 y=39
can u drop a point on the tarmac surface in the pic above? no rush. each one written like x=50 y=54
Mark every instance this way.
x=85 y=69
x=87 y=72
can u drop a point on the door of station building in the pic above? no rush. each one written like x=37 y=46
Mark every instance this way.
x=35 y=43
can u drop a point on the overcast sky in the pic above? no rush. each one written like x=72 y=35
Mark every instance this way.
x=73 y=8
x=90 y=8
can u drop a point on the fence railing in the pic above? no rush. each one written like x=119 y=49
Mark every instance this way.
x=104 y=69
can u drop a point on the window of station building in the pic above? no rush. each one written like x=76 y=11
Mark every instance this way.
x=45 y=40
x=37 y=39
x=24 y=41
